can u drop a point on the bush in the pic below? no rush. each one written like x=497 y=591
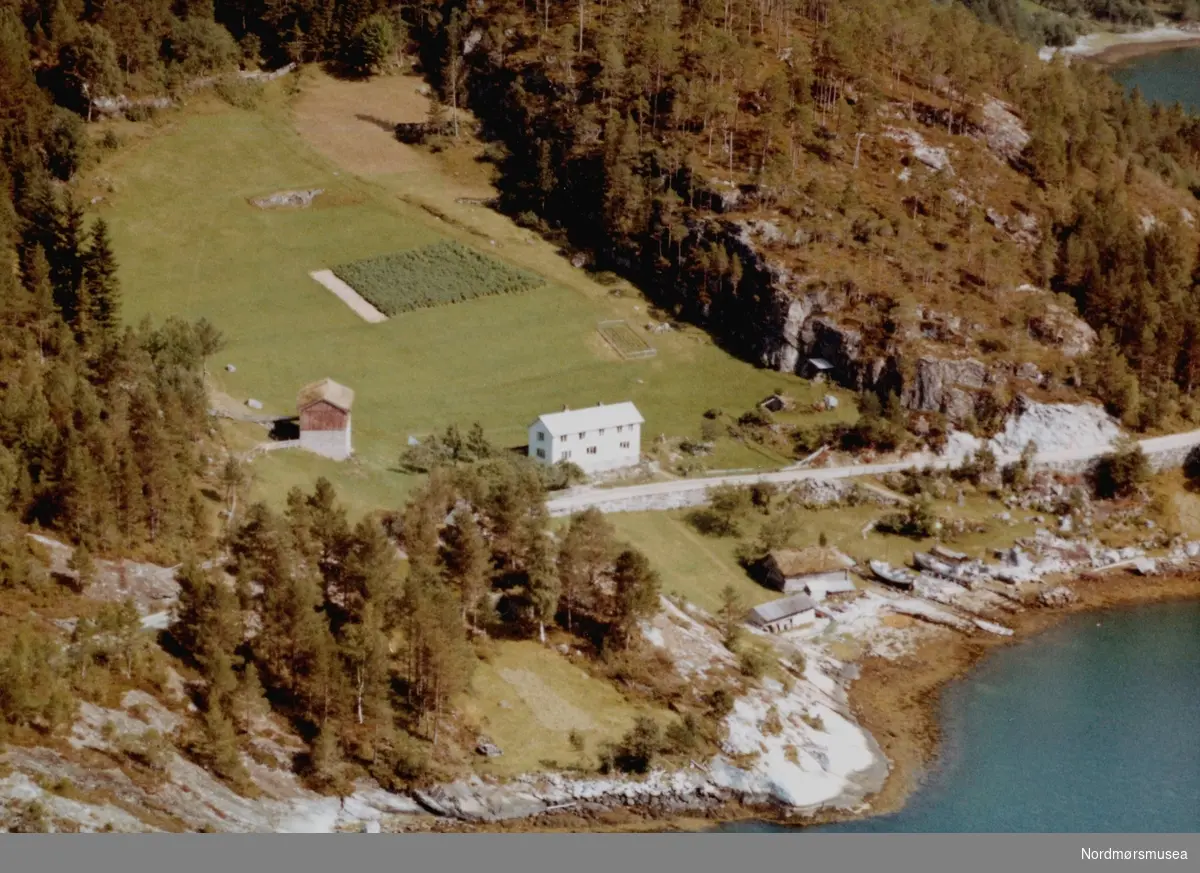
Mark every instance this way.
x=753 y=663
x=1122 y=472
x=66 y=144
x=199 y=45
x=720 y=703
x=374 y=45
x=564 y=474
x=686 y=735
x=728 y=505
x=917 y=521
x=401 y=762
x=761 y=494
x=640 y=746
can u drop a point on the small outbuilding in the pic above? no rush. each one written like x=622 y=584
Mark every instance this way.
x=784 y=614
x=324 y=409
x=817 y=369
x=814 y=569
x=775 y=403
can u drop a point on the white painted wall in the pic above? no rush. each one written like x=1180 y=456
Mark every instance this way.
x=593 y=451
x=789 y=623
x=333 y=444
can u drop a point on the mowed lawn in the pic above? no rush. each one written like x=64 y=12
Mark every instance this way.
x=190 y=244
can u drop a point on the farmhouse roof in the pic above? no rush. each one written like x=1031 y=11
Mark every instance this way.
x=820 y=363
x=329 y=391
x=815 y=559
x=782 y=608
x=591 y=418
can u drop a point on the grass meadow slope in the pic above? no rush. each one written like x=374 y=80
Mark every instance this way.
x=191 y=244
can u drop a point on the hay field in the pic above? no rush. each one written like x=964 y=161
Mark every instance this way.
x=190 y=244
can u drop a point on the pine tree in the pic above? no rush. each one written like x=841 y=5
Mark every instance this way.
x=731 y=615
x=219 y=745
x=103 y=289
x=636 y=587
x=83 y=566
x=66 y=263
x=467 y=562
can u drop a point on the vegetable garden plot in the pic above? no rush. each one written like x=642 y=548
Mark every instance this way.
x=625 y=340
x=434 y=275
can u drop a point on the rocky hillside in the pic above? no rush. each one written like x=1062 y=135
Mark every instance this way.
x=895 y=198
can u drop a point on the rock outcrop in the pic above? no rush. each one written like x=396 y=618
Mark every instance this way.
x=1064 y=330
x=946 y=386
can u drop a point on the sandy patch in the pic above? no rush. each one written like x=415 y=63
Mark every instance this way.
x=550 y=710
x=349 y=296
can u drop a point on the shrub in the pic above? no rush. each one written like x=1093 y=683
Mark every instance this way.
x=199 y=45
x=761 y=494
x=753 y=663
x=728 y=505
x=1122 y=472
x=720 y=703
x=638 y=749
x=66 y=144
x=686 y=735
x=575 y=738
x=918 y=521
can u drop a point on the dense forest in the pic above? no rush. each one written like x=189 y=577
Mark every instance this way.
x=625 y=130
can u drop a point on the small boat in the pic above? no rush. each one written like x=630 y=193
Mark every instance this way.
x=930 y=564
x=897 y=576
x=945 y=554
x=964 y=574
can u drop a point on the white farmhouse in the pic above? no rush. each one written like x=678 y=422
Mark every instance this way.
x=602 y=437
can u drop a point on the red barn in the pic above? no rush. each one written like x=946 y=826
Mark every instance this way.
x=324 y=409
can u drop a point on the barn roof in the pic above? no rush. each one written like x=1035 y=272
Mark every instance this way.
x=814 y=559
x=785 y=607
x=591 y=418
x=329 y=391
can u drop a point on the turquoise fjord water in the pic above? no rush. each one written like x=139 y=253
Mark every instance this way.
x=1093 y=726
x=1168 y=77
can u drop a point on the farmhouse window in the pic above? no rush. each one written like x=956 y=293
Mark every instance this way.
x=601 y=431
x=582 y=434
x=620 y=427
x=563 y=438
x=624 y=445
x=591 y=450
x=541 y=453
x=541 y=437
x=566 y=455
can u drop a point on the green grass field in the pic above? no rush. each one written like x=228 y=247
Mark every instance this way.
x=697 y=567
x=190 y=244
x=529 y=698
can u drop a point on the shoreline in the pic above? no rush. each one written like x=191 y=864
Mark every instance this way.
x=897 y=702
x=1115 y=55
x=1112 y=49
